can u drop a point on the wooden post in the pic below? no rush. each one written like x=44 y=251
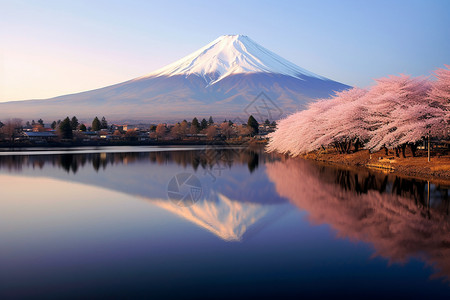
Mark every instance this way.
x=428 y=196
x=429 y=147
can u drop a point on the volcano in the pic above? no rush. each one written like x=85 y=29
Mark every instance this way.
x=231 y=77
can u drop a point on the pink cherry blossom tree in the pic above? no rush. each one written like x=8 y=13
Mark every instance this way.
x=396 y=112
x=344 y=123
x=439 y=94
x=298 y=132
x=337 y=122
x=400 y=113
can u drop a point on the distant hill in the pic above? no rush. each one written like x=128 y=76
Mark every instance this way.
x=231 y=77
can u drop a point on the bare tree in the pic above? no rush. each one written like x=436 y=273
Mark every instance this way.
x=11 y=129
x=243 y=130
x=175 y=132
x=211 y=132
x=160 y=131
x=226 y=129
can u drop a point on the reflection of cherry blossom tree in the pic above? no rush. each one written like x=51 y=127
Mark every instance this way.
x=390 y=214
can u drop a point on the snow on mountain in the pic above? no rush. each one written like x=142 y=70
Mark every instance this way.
x=227 y=210
x=228 y=219
x=222 y=79
x=232 y=54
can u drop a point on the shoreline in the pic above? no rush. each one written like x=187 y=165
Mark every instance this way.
x=58 y=146
x=437 y=170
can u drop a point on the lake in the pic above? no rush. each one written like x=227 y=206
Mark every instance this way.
x=215 y=223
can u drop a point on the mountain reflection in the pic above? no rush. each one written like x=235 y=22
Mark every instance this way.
x=233 y=206
x=402 y=218
x=398 y=216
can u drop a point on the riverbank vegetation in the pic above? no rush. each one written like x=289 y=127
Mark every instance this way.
x=72 y=132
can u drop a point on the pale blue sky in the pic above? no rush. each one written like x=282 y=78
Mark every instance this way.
x=49 y=48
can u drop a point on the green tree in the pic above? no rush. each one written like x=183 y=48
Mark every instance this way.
x=82 y=127
x=65 y=129
x=41 y=122
x=204 y=124
x=210 y=121
x=253 y=125
x=96 y=125
x=104 y=124
x=53 y=125
x=195 y=126
x=267 y=122
x=1 y=124
x=74 y=123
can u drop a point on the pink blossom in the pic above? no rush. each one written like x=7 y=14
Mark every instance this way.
x=396 y=111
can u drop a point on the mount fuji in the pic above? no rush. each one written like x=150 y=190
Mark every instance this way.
x=231 y=77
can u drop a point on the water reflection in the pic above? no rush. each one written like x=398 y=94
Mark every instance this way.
x=233 y=205
x=207 y=158
x=244 y=191
x=398 y=216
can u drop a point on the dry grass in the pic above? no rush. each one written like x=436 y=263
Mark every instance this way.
x=437 y=168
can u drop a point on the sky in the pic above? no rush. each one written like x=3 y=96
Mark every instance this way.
x=55 y=47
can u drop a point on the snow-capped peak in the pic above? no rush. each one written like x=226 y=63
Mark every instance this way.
x=232 y=54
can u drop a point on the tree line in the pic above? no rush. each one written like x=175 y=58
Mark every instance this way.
x=65 y=128
x=68 y=128
x=227 y=129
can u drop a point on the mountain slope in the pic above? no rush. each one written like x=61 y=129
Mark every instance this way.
x=221 y=79
x=230 y=55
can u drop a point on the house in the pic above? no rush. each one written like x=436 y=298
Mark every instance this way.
x=44 y=136
x=90 y=135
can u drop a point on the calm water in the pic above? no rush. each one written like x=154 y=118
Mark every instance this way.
x=195 y=223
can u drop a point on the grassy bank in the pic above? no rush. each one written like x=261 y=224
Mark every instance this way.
x=437 y=169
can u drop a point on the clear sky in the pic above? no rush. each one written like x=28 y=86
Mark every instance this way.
x=55 y=47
